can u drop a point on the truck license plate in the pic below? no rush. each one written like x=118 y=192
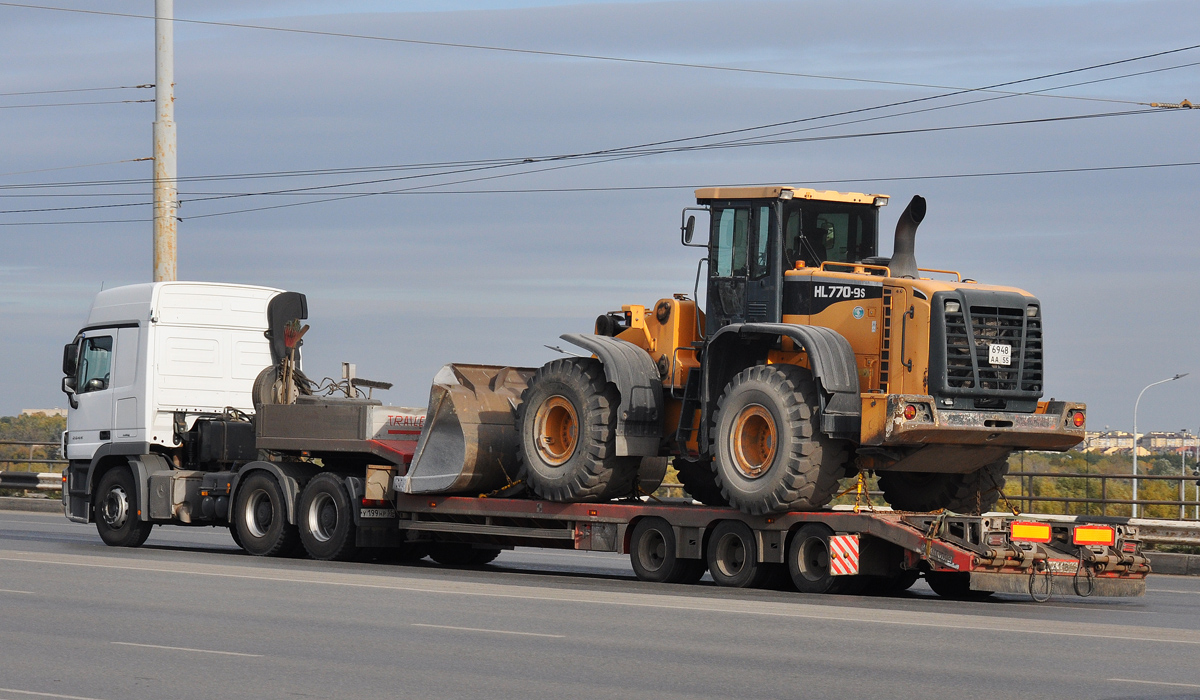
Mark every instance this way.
x=376 y=513
x=999 y=354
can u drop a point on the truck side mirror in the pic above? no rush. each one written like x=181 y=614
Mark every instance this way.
x=689 y=229
x=68 y=387
x=70 y=359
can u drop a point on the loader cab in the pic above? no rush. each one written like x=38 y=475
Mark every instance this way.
x=758 y=233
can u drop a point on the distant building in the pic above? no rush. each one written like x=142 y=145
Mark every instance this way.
x=1108 y=441
x=48 y=412
x=1118 y=441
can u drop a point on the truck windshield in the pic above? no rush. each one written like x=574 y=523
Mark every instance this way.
x=94 y=364
x=818 y=232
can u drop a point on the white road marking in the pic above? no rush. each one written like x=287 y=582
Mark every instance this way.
x=784 y=610
x=45 y=695
x=479 y=629
x=1170 y=590
x=9 y=590
x=1178 y=685
x=198 y=651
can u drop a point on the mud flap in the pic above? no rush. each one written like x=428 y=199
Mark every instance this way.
x=469 y=442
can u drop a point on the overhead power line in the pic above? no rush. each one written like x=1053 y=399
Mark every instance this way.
x=74 y=104
x=94 y=89
x=565 y=54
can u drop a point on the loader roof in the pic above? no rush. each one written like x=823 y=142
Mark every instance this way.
x=788 y=192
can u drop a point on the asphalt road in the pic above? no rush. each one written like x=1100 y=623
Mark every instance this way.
x=190 y=616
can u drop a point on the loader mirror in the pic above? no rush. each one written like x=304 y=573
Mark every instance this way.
x=689 y=229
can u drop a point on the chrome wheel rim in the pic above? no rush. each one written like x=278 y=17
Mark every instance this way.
x=322 y=517
x=115 y=508
x=259 y=513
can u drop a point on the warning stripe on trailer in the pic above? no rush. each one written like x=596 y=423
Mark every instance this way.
x=843 y=555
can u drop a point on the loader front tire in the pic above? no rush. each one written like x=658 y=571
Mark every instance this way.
x=567 y=425
x=770 y=455
x=976 y=492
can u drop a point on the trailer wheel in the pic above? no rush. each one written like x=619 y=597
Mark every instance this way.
x=118 y=513
x=808 y=562
x=699 y=482
x=770 y=453
x=653 y=556
x=325 y=520
x=976 y=492
x=461 y=554
x=733 y=556
x=260 y=516
x=567 y=425
x=953 y=585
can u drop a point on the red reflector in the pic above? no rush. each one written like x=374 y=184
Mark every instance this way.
x=1077 y=419
x=593 y=512
x=910 y=412
x=1129 y=547
x=1029 y=532
x=374 y=502
x=1095 y=535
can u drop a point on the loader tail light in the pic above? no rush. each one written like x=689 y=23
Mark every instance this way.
x=910 y=412
x=1077 y=419
x=1029 y=532
x=1094 y=535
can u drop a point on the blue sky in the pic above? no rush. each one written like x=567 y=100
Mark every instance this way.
x=400 y=284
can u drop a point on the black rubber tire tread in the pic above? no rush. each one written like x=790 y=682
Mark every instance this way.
x=234 y=535
x=593 y=472
x=281 y=538
x=753 y=573
x=342 y=544
x=954 y=585
x=807 y=465
x=977 y=492
x=672 y=569
x=134 y=531
x=459 y=554
x=699 y=482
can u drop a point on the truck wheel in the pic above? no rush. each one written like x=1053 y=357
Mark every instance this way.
x=325 y=520
x=459 y=554
x=976 y=492
x=699 y=482
x=652 y=553
x=770 y=453
x=118 y=513
x=808 y=559
x=733 y=556
x=567 y=425
x=953 y=585
x=260 y=516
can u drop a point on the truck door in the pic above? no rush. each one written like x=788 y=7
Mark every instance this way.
x=127 y=423
x=90 y=425
x=742 y=284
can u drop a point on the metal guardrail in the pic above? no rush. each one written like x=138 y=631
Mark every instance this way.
x=44 y=481
x=1028 y=498
x=30 y=461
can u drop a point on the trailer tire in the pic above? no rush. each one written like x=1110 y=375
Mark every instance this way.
x=653 y=555
x=325 y=520
x=770 y=454
x=808 y=560
x=461 y=554
x=954 y=585
x=733 y=556
x=118 y=513
x=567 y=434
x=976 y=492
x=260 y=516
x=699 y=482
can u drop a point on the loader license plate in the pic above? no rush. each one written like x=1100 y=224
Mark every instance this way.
x=999 y=354
x=376 y=513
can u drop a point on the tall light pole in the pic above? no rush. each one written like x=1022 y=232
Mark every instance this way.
x=1135 y=435
x=165 y=194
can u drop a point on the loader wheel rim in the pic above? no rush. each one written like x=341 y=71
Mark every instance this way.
x=556 y=428
x=755 y=439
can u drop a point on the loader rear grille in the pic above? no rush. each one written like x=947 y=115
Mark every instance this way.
x=968 y=344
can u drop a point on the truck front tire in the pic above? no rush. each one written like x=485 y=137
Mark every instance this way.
x=260 y=516
x=118 y=512
x=770 y=455
x=325 y=519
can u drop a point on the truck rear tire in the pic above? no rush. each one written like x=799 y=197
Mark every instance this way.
x=567 y=422
x=699 y=482
x=653 y=556
x=118 y=513
x=325 y=520
x=733 y=556
x=260 y=516
x=770 y=454
x=921 y=492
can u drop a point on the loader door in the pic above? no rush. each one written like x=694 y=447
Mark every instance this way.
x=743 y=282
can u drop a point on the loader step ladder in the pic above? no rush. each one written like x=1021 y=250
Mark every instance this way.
x=687 y=414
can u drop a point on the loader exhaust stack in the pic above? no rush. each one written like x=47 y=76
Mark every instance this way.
x=904 y=262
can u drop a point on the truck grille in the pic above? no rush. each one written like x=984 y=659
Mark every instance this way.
x=967 y=347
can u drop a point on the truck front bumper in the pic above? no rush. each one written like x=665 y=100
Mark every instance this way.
x=889 y=421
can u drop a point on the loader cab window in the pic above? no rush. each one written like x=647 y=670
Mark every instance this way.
x=818 y=232
x=95 y=364
x=742 y=242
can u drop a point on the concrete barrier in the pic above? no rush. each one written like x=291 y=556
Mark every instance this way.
x=37 y=505
x=1177 y=564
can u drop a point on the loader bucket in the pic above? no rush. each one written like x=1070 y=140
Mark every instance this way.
x=469 y=442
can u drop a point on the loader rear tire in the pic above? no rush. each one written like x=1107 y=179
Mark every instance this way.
x=699 y=482
x=567 y=426
x=770 y=454
x=976 y=492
